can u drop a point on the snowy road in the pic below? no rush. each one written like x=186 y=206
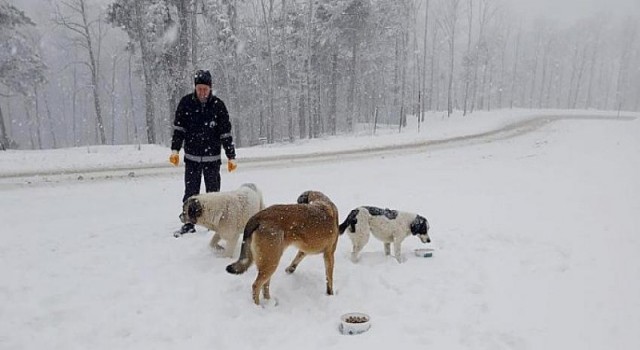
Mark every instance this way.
x=22 y=178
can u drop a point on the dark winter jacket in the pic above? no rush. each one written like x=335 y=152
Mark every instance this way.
x=204 y=128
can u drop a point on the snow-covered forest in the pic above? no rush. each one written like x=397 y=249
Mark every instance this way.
x=86 y=72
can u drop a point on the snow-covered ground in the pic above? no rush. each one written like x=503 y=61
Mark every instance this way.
x=536 y=247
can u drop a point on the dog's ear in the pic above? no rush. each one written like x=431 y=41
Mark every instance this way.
x=419 y=225
x=194 y=208
x=304 y=198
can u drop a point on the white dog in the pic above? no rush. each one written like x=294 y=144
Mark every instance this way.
x=389 y=226
x=226 y=213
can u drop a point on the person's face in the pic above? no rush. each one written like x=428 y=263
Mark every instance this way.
x=203 y=91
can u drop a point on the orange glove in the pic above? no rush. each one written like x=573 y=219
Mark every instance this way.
x=174 y=158
x=231 y=165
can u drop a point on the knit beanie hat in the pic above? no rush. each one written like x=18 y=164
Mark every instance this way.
x=202 y=77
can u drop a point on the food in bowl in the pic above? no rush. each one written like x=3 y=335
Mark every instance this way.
x=354 y=323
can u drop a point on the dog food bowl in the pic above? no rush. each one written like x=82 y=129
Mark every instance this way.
x=424 y=252
x=354 y=323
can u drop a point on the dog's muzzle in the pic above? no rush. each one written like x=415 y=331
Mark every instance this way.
x=425 y=239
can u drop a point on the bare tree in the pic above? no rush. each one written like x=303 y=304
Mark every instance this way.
x=448 y=23
x=486 y=13
x=629 y=36
x=467 y=61
x=52 y=132
x=546 y=61
x=75 y=18
x=308 y=68
x=112 y=95
x=433 y=77
x=147 y=61
x=267 y=18
x=594 y=56
x=424 y=62
x=514 y=71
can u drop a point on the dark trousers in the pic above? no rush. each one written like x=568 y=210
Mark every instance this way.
x=193 y=173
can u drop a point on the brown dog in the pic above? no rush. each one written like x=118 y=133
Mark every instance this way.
x=311 y=226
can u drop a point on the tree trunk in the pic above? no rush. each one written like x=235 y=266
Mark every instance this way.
x=95 y=74
x=308 y=69
x=396 y=73
x=194 y=34
x=302 y=125
x=583 y=60
x=467 y=66
x=502 y=70
x=589 y=102
x=489 y=86
x=545 y=63
x=76 y=139
x=432 y=76
x=423 y=88
x=4 y=137
x=36 y=98
x=352 y=82
x=573 y=75
x=136 y=137
x=177 y=59
x=50 y=122
x=27 y=111
x=267 y=15
x=113 y=100
x=514 y=73
x=333 y=94
x=536 y=54
x=147 y=61
x=289 y=108
x=403 y=118
x=451 y=70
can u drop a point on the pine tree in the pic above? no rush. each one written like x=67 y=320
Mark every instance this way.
x=20 y=65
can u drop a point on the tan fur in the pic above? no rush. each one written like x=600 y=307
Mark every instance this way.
x=311 y=226
x=226 y=213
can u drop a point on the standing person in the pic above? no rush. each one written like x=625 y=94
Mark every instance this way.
x=202 y=124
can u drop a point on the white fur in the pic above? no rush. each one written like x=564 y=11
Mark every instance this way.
x=227 y=213
x=386 y=230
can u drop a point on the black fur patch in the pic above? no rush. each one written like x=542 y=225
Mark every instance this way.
x=304 y=198
x=349 y=222
x=388 y=213
x=194 y=209
x=419 y=226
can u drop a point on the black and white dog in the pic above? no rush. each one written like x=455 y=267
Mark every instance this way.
x=389 y=226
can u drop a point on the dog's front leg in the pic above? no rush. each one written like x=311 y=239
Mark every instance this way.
x=397 y=251
x=356 y=250
x=214 y=242
x=231 y=247
x=387 y=248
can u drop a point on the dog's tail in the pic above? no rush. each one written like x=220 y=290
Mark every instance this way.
x=246 y=257
x=349 y=222
x=255 y=189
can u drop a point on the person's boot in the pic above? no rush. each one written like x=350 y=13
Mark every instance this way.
x=186 y=228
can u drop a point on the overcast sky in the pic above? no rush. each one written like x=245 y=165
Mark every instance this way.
x=572 y=10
